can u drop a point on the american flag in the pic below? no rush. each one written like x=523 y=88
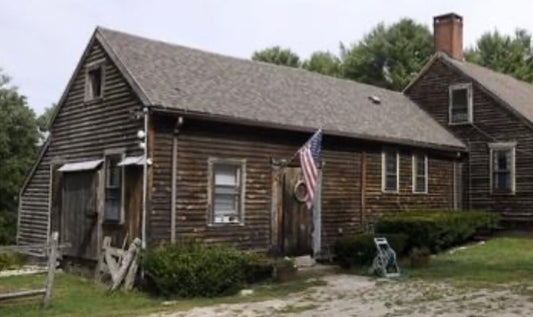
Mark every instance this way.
x=309 y=156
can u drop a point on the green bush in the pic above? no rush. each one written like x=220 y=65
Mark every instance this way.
x=257 y=268
x=437 y=229
x=11 y=260
x=188 y=269
x=359 y=249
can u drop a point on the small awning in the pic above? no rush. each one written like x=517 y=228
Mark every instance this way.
x=80 y=166
x=132 y=160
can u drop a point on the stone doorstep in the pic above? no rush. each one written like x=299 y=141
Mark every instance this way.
x=304 y=261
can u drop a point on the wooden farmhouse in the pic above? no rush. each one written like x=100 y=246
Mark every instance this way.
x=164 y=142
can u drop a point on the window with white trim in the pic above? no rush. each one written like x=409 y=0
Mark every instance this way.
x=460 y=103
x=113 y=203
x=502 y=168
x=420 y=173
x=390 y=170
x=94 y=81
x=226 y=191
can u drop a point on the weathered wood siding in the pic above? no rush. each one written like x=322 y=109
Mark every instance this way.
x=341 y=190
x=81 y=131
x=492 y=123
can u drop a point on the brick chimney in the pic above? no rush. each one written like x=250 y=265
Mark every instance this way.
x=448 y=34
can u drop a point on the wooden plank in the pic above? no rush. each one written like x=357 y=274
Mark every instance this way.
x=21 y=294
x=52 y=262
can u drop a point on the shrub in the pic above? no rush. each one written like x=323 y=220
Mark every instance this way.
x=11 y=260
x=359 y=249
x=188 y=269
x=437 y=229
x=257 y=268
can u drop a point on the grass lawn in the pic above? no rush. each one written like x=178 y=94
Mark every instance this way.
x=500 y=260
x=77 y=296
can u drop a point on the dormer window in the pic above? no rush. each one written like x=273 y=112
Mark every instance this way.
x=460 y=104
x=94 y=81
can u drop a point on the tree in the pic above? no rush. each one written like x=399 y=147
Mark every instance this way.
x=44 y=119
x=324 y=63
x=388 y=56
x=511 y=55
x=18 y=138
x=277 y=55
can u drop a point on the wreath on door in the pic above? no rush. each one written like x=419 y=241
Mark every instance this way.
x=300 y=191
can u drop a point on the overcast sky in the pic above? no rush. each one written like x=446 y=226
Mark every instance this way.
x=41 y=41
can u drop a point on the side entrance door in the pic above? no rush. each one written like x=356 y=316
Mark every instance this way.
x=296 y=219
x=79 y=214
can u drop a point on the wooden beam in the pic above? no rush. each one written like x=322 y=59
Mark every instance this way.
x=52 y=262
x=363 y=189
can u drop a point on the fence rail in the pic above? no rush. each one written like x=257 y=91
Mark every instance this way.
x=52 y=250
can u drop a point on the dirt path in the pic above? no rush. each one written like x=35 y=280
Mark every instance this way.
x=349 y=295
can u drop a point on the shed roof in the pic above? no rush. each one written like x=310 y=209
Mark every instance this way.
x=178 y=78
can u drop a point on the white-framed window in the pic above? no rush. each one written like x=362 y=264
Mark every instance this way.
x=226 y=191
x=460 y=106
x=94 y=81
x=114 y=188
x=420 y=173
x=390 y=170
x=502 y=167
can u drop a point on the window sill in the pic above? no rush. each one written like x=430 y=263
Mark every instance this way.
x=93 y=101
x=459 y=123
x=420 y=193
x=390 y=191
x=112 y=222
x=225 y=224
x=503 y=194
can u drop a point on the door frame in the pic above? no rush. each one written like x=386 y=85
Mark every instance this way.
x=276 y=212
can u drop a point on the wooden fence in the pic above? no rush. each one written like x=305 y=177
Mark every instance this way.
x=52 y=250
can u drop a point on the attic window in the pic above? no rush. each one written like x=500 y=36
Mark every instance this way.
x=375 y=99
x=94 y=82
x=460 y=104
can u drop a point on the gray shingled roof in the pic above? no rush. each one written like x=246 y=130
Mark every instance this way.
x=185 y=79
x=517 y=94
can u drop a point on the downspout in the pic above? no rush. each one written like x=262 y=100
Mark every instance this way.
x=145 y=178
x=177 y=128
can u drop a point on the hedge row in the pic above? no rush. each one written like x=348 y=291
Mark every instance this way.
x=432 y=229
x=359 y=249
x=190 y=269
x=437 y=229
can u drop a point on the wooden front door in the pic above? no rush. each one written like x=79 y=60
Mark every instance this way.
x=79 y=215
x=297 y=220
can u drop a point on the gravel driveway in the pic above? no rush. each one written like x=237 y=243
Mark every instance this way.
x=351 y=295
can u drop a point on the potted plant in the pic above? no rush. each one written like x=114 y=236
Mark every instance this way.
x=284 y=269
x=420 y=257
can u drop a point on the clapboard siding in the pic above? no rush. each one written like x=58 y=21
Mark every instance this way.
x=341 y=182
x=492 y=122
x=81 y=131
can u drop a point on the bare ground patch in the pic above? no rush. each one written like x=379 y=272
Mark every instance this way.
x=350 y=295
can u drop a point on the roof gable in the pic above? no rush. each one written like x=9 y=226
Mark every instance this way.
x=514 y=94
x=182 y=79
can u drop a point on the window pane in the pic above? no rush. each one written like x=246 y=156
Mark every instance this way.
x=502 y=181
x=95 y=80
x=112 y=204
x=460 y=98
x=113 y=171
x=226 y=190
x=501 y=160
x=459 y=111
x=390 y=170
x=390 y=183
x=420 y=184
x=225 y=174
x=226 y=204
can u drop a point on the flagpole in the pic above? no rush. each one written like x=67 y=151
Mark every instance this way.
x=296 y=153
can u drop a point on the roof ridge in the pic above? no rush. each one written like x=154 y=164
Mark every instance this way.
x=485 y=68
x=241 y=59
